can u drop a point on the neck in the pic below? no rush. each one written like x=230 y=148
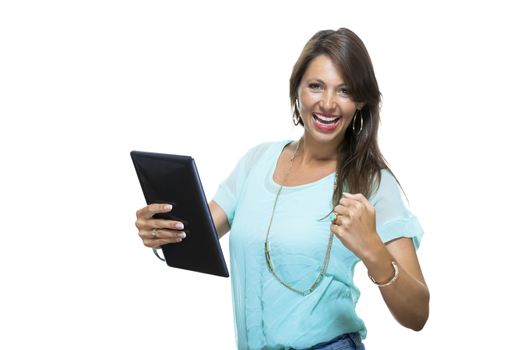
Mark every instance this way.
x=312 y=152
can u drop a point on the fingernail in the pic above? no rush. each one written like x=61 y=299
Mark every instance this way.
x=167 y=207
x=347 y=194
x=179 y=226
x=183 y=235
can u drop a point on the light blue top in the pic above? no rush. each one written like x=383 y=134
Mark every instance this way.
x=267 y=314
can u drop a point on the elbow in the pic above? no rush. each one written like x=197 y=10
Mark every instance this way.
x=417 y=317
x=418 y=322
x=419 y=325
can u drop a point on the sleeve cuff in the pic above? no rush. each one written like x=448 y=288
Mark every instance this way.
x=402 y=227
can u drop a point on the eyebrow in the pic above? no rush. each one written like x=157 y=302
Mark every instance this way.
x=321 y=81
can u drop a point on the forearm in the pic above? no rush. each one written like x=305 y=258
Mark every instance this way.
x=408 y=297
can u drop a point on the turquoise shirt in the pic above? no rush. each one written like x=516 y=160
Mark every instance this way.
x=267 y=314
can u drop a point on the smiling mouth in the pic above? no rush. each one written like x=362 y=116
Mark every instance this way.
x=326 y=120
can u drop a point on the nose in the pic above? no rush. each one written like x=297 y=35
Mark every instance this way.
x=327 y=102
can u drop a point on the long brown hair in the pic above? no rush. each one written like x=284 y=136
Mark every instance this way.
x=359 y=160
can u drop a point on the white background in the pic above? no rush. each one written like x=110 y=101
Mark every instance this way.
x=84 y=82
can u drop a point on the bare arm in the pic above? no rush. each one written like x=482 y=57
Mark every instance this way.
x=219 y=219
x=408 y=297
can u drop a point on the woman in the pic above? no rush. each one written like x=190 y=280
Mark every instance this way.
x=292 y=282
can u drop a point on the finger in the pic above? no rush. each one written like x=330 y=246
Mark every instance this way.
x=155 y=243
x=343 y=210
x=162 y=223
x=170 y=234
x=352 y=202
x=358 y=197
x=146 y=234
x=343 y=219
x=355 y=205
x=148 y=211
x=348 y=202
x=337 y=230
x=161 y=234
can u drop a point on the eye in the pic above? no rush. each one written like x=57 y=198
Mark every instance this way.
x=314 y=86
x=345 y=91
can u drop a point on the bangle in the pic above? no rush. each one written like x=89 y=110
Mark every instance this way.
x=392 y=280
x=157 y=254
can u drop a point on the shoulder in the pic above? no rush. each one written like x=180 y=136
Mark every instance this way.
x=259 y=150
x=262 y=147
x=385 y=185
x=269 y=144
x=384 y=182
x=382 y=178
x=387 y=178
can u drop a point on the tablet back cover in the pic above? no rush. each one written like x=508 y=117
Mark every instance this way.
x=173 y=179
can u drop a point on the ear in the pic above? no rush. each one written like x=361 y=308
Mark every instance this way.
x=360 y=105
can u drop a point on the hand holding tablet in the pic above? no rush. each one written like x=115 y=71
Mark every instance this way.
x=157 y=232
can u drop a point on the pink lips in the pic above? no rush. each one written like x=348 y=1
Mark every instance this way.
x=326 y=127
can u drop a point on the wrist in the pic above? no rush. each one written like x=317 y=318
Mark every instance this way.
x=375 y=252
x=378 y=262
x=391 y=280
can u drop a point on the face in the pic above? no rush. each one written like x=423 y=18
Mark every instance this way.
x=325 y=105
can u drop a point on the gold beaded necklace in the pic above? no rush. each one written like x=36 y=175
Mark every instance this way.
x=317 y=281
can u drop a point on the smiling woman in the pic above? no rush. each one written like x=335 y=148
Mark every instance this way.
x=291 y=265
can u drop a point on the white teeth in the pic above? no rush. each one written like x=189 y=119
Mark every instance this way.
x=326 y=119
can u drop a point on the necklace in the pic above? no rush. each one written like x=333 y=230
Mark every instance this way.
x=267 y=244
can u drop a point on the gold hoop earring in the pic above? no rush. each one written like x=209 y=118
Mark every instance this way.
x=358 y=111
x=296 y=116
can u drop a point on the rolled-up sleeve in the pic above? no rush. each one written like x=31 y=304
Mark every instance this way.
x=394 y=218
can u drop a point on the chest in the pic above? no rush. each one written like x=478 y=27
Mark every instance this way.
x=299 y=175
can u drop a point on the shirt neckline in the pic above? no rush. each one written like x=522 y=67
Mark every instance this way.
x=298 y=187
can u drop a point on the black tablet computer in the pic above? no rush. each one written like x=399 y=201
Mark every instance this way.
x=173 y=179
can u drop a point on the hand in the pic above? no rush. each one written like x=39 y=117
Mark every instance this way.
x=355 y=224
x=166 y=231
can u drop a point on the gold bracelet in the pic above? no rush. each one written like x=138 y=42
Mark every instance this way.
x=392 y=280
